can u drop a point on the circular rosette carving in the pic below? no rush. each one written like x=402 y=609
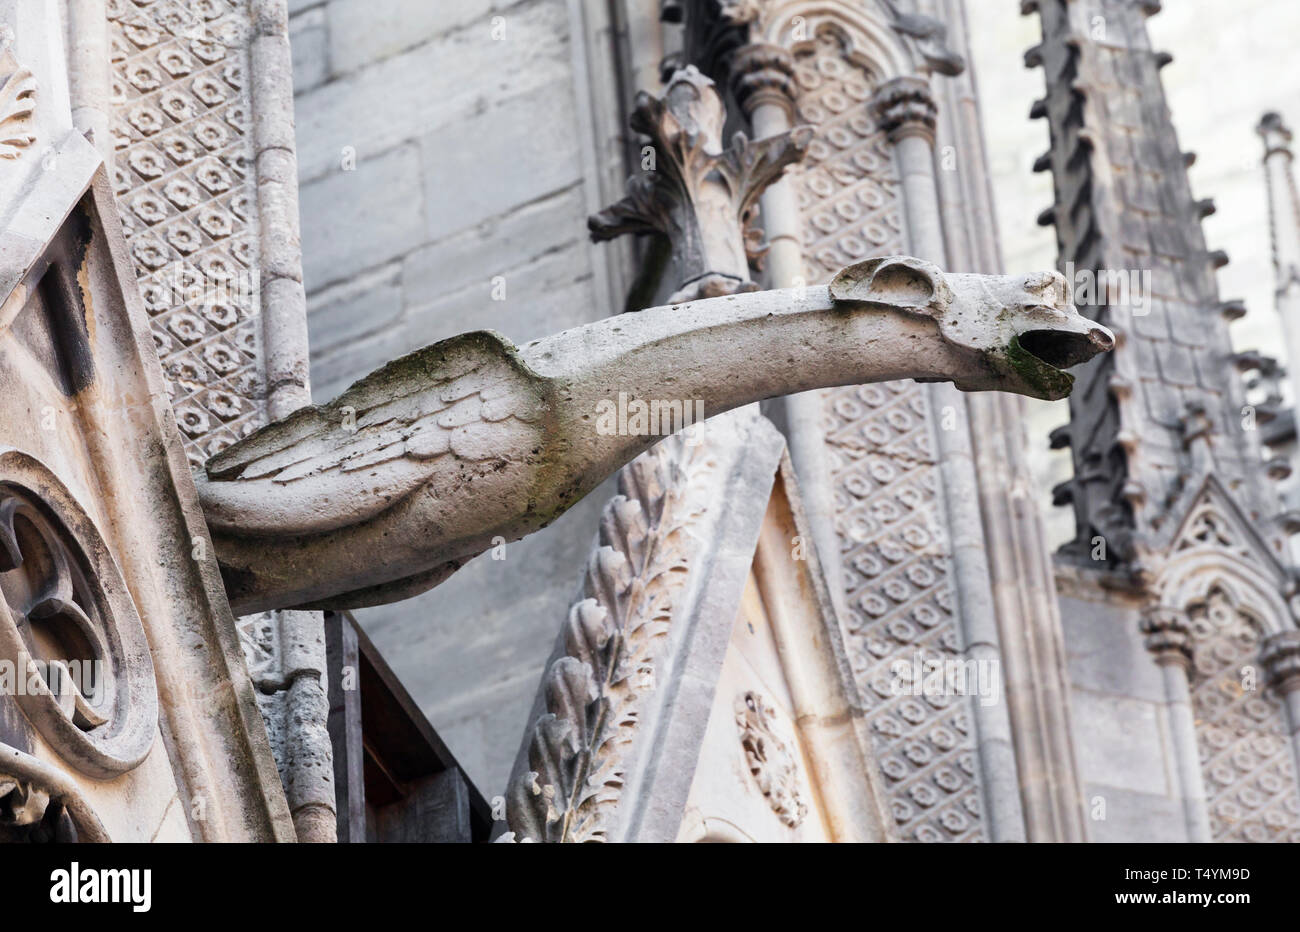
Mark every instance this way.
x=69 y=631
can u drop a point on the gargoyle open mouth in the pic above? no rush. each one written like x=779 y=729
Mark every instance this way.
x=1040 y=355
x=1062 y=349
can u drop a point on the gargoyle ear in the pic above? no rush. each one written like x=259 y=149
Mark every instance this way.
x=902 y=281
x=1049 y=288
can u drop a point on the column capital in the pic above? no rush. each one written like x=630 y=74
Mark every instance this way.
x=762 y=73
x=1167 y=635
x=905 y=107
x=1280 y=657
x=1276 y=135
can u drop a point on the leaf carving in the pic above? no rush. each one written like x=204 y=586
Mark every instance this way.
x=17 y=101
x=594 y=691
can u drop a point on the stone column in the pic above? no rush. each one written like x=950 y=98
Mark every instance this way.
x=1284 y=229
x=906 y=110
x=1020 y=559
x=1168 y=637
x=283 y=298
x=88 y=83
x=1280 y=656
x=308 y=769
x=762 y=81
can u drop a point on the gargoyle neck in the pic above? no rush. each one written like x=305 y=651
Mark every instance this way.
x=721 y=353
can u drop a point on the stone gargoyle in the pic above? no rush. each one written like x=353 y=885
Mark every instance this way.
x=439 y=455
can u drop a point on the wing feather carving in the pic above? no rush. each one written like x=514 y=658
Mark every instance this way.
x=397 y=429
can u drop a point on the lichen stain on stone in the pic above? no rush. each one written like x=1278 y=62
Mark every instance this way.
x=1051 y=383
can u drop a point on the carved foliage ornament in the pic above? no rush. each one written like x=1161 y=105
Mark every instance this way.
x=41 y=803
x=612 y=640
x=692 y=177
x=72 y=650
x=769 y=759
x=17 y=100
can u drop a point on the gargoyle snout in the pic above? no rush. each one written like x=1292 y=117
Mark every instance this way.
x=1063 y=349
x=1102 y=338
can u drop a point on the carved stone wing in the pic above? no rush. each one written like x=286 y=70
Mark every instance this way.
x=466 y=399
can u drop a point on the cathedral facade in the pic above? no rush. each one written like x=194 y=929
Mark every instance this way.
x=566 y=421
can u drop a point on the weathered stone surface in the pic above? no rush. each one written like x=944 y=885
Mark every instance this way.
x=1169 y=493
x=447 y=79
x=206 y=174
x=509 y=246
x=1134 y=817
x=1104 y=651
x=378 y=214
x=166 y=638
x=1140 y=217
x=695 y=193
x=308 y=37
x=337 y=317
x=366 y=31
x=330 y=482
x=1121 y=743
x=434 y=86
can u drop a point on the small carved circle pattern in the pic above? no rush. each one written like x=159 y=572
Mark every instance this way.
x=1246 y=758
x=189 y=213
x=880 y=441
x=69 y=634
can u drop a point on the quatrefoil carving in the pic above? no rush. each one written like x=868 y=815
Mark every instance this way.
x=80 y=665
x=45 y=594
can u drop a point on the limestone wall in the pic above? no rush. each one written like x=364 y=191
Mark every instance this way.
x=445 y=156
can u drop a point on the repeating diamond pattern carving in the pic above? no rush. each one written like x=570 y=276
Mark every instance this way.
x=186 y=188
x=881 y=445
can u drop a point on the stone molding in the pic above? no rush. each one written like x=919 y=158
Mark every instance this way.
x=1167 y=635
x=906 y=107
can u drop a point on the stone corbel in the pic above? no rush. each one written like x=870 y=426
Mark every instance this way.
x=693 y=182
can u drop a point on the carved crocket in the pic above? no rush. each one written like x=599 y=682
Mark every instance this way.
x=429 y=461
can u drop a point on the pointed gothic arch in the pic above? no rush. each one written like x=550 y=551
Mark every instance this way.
x=865 y=35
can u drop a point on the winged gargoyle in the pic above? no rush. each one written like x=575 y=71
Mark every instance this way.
x=429 y=461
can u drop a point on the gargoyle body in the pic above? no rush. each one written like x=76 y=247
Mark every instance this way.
x=471 y=442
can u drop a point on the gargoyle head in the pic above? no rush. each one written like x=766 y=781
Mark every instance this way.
x=1021 y=331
